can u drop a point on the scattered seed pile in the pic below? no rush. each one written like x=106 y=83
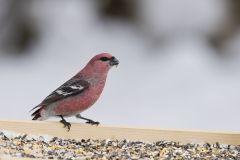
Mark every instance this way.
x=45 y=147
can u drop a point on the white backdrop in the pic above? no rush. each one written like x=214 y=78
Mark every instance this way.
x=182 y=83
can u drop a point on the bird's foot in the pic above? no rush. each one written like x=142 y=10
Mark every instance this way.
x=66 y=124
x=88 y=121
x=92 y=122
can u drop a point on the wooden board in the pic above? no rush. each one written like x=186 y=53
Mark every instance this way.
x=79 y=131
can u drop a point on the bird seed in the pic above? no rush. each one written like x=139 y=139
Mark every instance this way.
x=45 y=147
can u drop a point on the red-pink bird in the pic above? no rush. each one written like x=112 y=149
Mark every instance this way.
x=79 y=93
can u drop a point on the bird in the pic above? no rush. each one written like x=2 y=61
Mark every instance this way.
x=78 y=93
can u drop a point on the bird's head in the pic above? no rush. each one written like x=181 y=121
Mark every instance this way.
x=101 y=63
x=104 y=59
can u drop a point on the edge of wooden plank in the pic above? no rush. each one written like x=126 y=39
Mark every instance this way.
x=79 y=131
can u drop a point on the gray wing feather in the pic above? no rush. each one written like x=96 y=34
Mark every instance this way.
x=70 y=88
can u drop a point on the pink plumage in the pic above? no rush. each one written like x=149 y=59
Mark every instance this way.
x=78 y=93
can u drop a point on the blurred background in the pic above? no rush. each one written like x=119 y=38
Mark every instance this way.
x=179 y=60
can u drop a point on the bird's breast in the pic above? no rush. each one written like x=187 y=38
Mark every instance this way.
x=78 y=103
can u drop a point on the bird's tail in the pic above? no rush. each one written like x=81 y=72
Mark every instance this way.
x=36 y=114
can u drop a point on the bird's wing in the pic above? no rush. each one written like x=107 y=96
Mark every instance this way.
x=70 y=88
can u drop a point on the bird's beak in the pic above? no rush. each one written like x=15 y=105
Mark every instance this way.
x=114 y=61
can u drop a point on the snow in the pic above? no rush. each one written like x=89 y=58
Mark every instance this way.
x=181 y=84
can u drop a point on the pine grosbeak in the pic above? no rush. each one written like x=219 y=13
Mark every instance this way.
x=79 y=93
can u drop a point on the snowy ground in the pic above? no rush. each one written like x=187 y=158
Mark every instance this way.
x=183 y=84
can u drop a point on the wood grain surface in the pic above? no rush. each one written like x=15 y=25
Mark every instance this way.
x=79 y=131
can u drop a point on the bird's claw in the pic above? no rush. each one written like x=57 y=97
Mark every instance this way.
x=92 y=122
x=66 y=124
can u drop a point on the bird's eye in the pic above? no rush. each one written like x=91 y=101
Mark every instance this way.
x=104 y=58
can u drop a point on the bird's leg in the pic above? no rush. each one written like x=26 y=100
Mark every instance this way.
x=65 y=123
x=89 y=121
